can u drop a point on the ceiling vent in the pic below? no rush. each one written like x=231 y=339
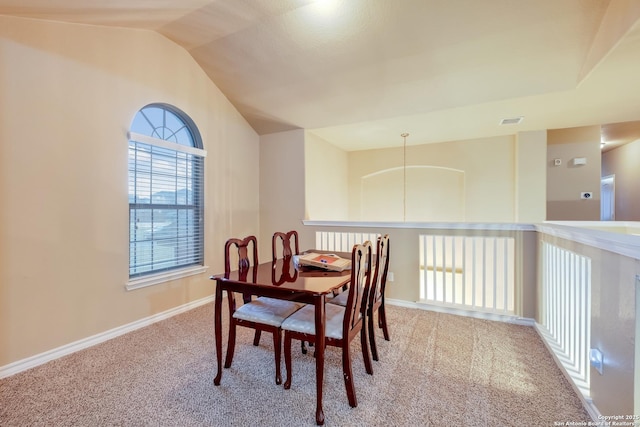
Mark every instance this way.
x=512 y=121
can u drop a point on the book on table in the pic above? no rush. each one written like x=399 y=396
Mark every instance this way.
x=330 y=262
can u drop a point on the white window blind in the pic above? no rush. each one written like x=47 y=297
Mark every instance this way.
x=166 y=175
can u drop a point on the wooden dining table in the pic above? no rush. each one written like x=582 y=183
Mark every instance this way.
x=283 y=279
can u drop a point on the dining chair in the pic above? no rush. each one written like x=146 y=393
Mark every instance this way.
x=261 y=314
x=376 y=294
x=342 y=323
x=287 y=252
x=289 y=247
x=376 y=298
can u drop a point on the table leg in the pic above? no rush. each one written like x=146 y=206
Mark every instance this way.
x=218 y=331
x=320 y=319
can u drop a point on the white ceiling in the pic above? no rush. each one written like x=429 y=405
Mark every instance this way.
x=358 y=73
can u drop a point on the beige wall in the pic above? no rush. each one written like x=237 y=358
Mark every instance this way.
x=500 y=179
x=531 y=176
x=567 y=181
x=488 y=193
x=326 y=180
x=282 y=185
x=68 y=94
x=624 y=163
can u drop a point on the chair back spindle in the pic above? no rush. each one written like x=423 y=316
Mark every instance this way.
x=379 y=281
x=289 y=244
x=244 y=259
x=359 y=287
x=247 y=254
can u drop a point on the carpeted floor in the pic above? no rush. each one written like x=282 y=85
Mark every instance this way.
x=437 y=370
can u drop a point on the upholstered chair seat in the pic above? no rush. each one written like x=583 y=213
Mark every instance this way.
x=268 y=311
x=340 y=299
x=303 y=321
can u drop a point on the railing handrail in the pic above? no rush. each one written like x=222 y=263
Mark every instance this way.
x=426 y=225
x=580 y=232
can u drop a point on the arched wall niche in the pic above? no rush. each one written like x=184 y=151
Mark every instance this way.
x=432 y=193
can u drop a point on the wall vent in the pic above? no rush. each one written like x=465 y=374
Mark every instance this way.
x=512 y=121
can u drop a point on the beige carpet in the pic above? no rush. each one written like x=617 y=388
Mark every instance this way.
x=437 y=370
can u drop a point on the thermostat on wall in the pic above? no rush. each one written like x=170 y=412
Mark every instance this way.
x=579 y=161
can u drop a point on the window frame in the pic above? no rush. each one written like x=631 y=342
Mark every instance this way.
x=197 y=157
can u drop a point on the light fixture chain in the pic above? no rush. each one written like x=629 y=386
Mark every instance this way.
x=404 y=183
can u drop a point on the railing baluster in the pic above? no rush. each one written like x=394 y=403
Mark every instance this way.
x=505 y=274
x=495 y=273
x=473 y=272
x=453 y=270
x=464 y=270
x=435 y=279
x=443 y=248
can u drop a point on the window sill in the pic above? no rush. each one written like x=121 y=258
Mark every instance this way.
x=156 y=279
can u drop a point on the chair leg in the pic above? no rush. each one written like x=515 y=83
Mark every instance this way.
x=277 y=347
x=287 y=359
x=348 y=376
x=382 y=322
x=365 y=350
x=372 y=336
x=256 y=337
x=231 y=345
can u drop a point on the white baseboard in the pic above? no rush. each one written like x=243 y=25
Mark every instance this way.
x=468 y=313
x=587 y=402
x=39 y=359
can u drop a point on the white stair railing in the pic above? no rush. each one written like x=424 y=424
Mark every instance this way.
x=566 y=310
x=468 y=272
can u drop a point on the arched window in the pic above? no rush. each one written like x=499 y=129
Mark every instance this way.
x=166 y=176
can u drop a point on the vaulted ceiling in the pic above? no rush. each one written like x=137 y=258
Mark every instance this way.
x=358 y=73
